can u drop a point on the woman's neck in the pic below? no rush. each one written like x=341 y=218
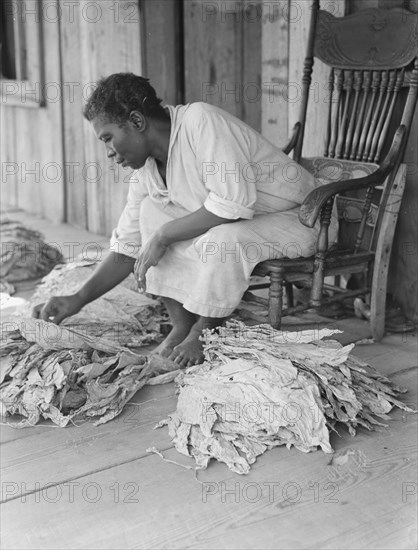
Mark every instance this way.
x=161 y=132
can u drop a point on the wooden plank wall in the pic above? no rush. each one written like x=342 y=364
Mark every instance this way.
x=106 y=39
x=403 y=281
x=32 y=136
x=112 y=43
x=275 y=72
x=162 y=44
x=84 y=42
x=9 y=185
x=73 y=135
x=246 y=57
x=252 y=93
x=403 y=273
x=222 y=56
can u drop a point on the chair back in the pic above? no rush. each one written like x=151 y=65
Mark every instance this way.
x=373 y=79
x=373 y=87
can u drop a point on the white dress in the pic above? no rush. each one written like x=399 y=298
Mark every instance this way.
x=217 y=161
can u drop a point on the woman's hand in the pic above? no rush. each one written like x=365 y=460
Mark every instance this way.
x=57 y=308
x=182 y=229
x=149 y=256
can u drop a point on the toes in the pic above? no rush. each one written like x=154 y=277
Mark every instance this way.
x=185 y=362
x=182 y=359
x=175 y=354
x=166 y=352
x=185 y=357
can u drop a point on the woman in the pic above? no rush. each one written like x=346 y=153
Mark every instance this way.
x=209 y=199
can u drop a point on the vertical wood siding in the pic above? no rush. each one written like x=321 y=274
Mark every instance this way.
x=222 y=56
x=403 y=274
x=32 y=136
x=275 y=72
x=247 y=57
x=108 y=41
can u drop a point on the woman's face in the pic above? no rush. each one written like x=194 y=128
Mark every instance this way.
x=125 y=143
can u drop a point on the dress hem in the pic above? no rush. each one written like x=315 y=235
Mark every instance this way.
x=189 y=304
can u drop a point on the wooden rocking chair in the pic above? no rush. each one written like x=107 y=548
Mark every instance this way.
x=373 y=82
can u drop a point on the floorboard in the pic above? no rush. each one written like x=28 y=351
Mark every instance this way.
x=79 y=450
x=288 y=499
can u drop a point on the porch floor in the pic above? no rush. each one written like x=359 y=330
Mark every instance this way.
x=98 y=487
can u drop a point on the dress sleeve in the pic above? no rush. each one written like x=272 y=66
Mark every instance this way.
x=126 y=237
x=226 y=169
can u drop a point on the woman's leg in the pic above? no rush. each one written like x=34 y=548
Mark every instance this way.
x=182 y=321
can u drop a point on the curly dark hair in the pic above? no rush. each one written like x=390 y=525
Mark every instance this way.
x=118 y=94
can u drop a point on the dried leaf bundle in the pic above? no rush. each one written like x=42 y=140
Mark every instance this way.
x=260 y=388
x=24 y=253
x=122 y=315
x=56 y=373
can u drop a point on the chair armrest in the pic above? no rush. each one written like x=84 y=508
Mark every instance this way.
x=293 y=139
x=313 y=203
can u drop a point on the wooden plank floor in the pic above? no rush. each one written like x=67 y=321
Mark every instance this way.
x=97 y=487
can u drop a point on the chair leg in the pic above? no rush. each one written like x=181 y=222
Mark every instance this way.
x=378 y=295
x=382 y=258
x=275 y=299
x=378 y=312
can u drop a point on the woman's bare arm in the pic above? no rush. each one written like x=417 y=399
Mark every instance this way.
x=189 y=226
x=109 y=273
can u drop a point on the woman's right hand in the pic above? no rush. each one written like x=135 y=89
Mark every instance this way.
x=58 y=308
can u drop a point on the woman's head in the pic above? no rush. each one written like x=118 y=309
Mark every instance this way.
x=127 y=116
x=117 y=95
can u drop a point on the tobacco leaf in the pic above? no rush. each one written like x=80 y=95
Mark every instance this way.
x=25 y=255
x=122 y=315
x=259 y=388
x=64 y=377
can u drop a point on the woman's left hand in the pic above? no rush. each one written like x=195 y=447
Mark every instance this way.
x=149 y=256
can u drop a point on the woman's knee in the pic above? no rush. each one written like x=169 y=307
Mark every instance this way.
x=220 y=244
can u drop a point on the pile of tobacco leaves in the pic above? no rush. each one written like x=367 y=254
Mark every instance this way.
x=122 y=315
x=91 y=364
x=24 y=254
x=260 y=388
x=49 y=371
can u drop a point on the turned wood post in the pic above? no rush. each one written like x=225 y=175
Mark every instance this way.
x=319 y=263
x=275 y=299
x=306 y=79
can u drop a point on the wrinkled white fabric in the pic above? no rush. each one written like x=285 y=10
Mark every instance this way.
x=217 y=161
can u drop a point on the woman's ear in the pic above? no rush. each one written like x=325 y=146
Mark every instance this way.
x=138 y=120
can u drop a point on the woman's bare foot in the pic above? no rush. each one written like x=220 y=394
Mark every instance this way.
x=182 y=321
x=190 y=351
x=175 y=337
